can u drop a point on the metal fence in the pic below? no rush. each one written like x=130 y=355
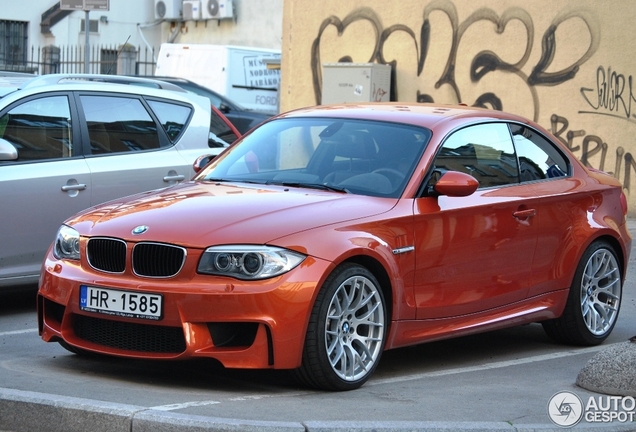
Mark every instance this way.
x=113 y=60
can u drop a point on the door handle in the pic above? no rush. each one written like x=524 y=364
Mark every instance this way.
x=75 y=187
x=174 y=178
x=524 y=214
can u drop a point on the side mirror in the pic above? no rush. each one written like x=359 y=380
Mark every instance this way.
x=201 y=162
x=456 y=184
x=8 y=152
x=216 y=142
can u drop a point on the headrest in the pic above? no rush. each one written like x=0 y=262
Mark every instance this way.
x=356 y=145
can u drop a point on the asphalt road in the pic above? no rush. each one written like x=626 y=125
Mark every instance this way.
x=501 y=380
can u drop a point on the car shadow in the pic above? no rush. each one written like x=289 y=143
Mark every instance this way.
x=208 y=374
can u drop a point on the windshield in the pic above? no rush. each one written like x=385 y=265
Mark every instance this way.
x=349 y=156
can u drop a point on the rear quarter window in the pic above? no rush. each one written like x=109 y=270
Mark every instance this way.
x=539 y=159
x=172 y=117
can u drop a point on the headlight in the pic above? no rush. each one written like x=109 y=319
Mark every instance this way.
x=66 y=243
x=248 y=262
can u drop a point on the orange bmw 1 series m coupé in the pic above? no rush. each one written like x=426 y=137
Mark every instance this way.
x=330 y=234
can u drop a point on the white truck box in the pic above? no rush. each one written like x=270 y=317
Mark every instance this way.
x=233 y=71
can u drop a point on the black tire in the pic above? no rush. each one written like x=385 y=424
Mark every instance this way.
x=594 y=300
x=346 y=332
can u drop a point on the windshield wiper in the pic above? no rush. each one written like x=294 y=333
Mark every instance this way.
x=290 y=184
x=223 y=180
x=314 y=186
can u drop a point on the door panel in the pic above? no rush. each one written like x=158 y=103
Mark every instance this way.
x=120 y=175
x=33 y=208
x=48 y=183
x=472 y=255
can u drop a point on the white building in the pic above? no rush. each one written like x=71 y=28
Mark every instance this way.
x=27 y=28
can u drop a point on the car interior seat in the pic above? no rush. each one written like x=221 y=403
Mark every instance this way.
x=355 y=153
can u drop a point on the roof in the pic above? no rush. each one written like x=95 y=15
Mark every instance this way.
x=52 y=79
x=417 y=114
x=11 y=81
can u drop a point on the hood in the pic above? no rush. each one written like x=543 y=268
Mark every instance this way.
x=202 y=214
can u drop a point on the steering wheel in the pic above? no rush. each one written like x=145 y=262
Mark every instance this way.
x=394 y=176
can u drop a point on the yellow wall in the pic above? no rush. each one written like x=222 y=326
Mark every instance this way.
x=567 y=64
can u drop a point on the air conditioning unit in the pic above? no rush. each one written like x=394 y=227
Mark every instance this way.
x=217 y=9
x=168 y=9
x=191 y=10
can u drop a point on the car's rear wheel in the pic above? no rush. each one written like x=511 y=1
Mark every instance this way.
x=346 y=331
x=594 y=300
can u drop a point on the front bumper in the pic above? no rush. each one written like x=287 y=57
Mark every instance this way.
x=242 y=324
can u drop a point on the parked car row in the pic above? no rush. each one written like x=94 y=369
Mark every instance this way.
x=68 y=142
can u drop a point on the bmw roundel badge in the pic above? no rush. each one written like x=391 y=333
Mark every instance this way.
x=139 y=230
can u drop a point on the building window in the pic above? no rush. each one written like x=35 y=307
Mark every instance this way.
x=108 y=62
x=13 y=42
x=93 y=26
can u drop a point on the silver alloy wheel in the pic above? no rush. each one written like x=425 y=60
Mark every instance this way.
x=354 y=331
x=600 y=292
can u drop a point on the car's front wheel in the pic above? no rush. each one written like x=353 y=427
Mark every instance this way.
x=594 y=300
x=346 y=331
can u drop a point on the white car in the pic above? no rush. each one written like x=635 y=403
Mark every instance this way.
x=69 y=142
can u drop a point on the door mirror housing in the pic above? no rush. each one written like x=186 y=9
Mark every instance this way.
x=201 y=162
x=455 y=184
x=8 y=152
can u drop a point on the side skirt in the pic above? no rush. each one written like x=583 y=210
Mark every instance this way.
x=539 y=308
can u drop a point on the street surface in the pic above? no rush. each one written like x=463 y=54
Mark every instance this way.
x=503 y=376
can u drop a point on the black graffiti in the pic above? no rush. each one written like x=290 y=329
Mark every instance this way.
x=560 y=125
x=591 y=146
x=484 y=62
x=539 y=76
x=614 y=94
x=364 y=13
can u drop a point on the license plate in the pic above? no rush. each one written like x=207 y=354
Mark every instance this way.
x=121 y=303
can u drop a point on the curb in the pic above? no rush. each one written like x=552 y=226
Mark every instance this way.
x=611 y=371
x=28 y=411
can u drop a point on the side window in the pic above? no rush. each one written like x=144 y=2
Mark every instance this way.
x=39 y=129
x=538 y=158
x=484 y=151
x=173 y=117
x=119 y=124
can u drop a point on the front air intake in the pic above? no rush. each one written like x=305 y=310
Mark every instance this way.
x=129 y=336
